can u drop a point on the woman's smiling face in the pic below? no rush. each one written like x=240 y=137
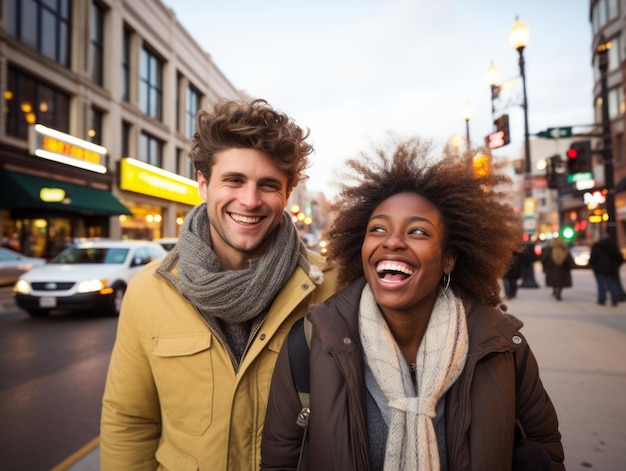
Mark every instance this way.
x=403 y=253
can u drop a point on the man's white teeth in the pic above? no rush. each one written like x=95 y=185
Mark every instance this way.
x=245 y=219
x=388 y=266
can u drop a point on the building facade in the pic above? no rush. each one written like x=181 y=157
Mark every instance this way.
x=99 y=100
x=608 y=24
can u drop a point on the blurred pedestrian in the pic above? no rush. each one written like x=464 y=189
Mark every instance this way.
x=199 y=330
x=527 y=260
x=412 y=365
x=557 y=263
x=605 y=260
x=513 y=273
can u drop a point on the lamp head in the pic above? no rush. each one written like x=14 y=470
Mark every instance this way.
x=468 y=111
x=493 y=75
x=519 y=34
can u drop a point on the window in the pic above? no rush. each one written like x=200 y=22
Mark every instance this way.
x=126 y=64
x=179 y=79
x=615 y=54
x=616 y=102
x=44 y=25
x=95 y=128
x=96 y=55
x=150 y=150
x=126 y=133
x=184 y=166
x=29 y=101
x=150 y=99
x=613 y=9
x=192 y=105
x=603 y=12
x=618 y=153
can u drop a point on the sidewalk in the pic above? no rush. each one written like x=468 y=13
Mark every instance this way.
x=85 y=459
x=581 y=350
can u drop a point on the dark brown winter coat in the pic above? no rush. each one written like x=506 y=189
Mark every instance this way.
x=481 y=406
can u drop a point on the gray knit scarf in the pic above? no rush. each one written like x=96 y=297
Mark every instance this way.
x=236 y=296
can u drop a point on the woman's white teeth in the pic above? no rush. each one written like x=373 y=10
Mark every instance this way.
x=388 y=266
x=245 y=219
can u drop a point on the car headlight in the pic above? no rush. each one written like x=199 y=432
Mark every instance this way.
x=22 y=287
x=89 y=286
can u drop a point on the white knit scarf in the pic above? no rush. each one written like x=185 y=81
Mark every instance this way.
x=411 y=441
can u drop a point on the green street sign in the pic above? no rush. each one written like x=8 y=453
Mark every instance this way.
x=578 y=177
x=556 y=133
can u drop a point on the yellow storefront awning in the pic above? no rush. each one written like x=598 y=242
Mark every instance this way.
x=21 y=191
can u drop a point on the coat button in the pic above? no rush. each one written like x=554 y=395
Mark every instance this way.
x=517 y=339
x=262 y=337
x=347 y=341
x=305 y=286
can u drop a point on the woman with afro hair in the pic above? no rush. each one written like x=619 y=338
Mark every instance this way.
x=414 y=365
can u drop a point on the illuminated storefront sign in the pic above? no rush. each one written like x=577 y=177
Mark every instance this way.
x=52 y=195
x=146 y=179
x=54 y=145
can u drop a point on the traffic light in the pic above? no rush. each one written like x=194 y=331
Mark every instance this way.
x=552 y=169
x=502 y=126
x=500 y=137
x=579 y=157
x=568 y=233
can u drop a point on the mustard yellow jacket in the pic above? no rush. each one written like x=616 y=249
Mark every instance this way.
x=173 y=399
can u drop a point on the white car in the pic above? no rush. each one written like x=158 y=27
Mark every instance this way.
x=89 y=276
x=13 y=264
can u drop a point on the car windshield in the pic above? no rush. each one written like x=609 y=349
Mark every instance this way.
x=76 y=255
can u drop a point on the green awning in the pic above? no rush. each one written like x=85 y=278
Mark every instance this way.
x=21 y=191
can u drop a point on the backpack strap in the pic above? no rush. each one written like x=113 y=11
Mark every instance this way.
x=298 y=341
x=298 y=345
x=520 y=369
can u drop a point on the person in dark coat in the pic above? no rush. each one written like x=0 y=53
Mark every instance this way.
x=605 y=260
x=557 y=264
x=513 y=273
x=414 y=365
x=527 y=260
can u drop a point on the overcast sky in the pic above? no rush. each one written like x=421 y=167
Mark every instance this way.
x=352 y=70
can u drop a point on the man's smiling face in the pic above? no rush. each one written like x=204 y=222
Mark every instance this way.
x=246 y=195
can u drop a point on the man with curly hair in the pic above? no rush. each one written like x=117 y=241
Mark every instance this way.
x=413 y=366
x=200 y=330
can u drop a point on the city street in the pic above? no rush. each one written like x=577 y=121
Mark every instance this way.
x=52 y=374
x=580 y=347
x=581 y=350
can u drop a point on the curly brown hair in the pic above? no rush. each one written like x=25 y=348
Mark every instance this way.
x=251 y=124
x=482 y=229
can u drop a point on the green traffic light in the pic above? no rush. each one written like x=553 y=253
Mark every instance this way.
x=568 y=233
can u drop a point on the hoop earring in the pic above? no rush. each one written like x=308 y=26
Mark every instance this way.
x=446 y=281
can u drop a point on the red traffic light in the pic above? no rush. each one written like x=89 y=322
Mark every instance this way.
x=572 y=153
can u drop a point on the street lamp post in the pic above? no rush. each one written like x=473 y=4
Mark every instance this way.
x=603 y=63
x=519 y=36
x=467 y=115
x=493 y=79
